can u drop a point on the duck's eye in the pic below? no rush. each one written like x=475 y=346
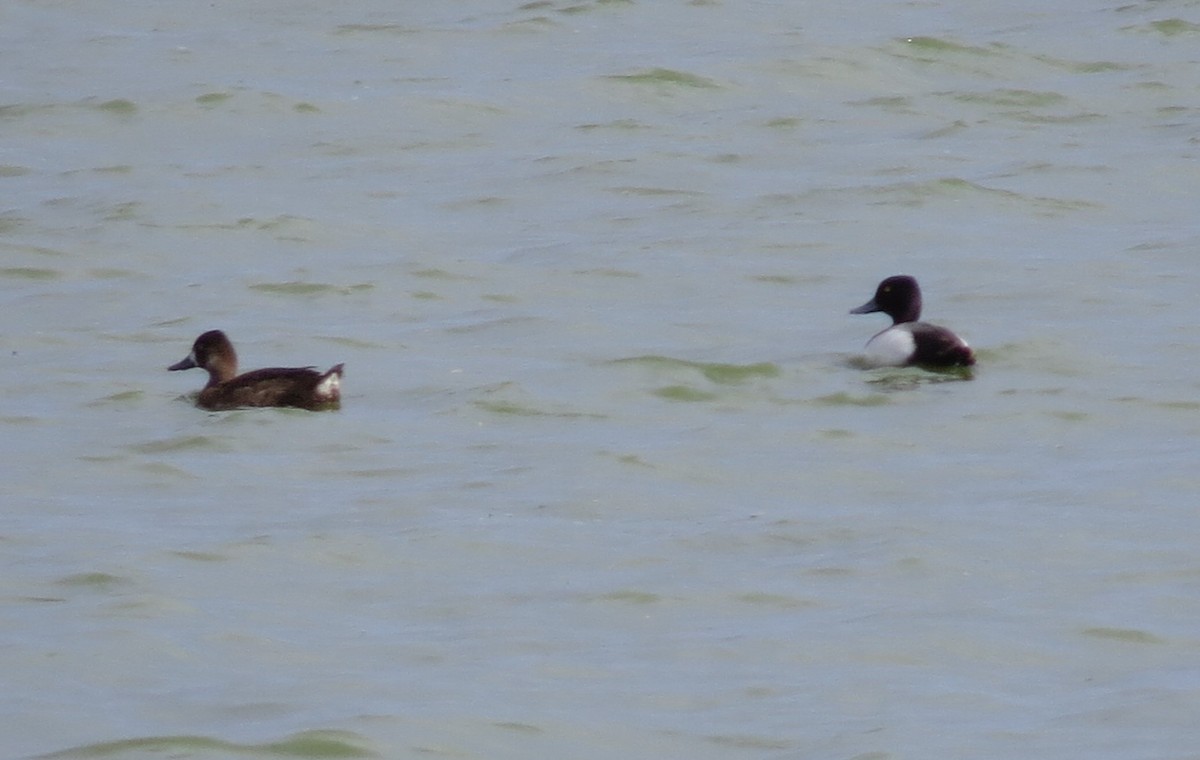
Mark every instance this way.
x=887 y=288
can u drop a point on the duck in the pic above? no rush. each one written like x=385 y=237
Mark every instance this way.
x=909 y=341
x=301 y=387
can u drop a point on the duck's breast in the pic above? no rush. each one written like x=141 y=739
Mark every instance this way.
x=894 y=347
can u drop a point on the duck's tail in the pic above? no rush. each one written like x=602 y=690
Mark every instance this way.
x=329 y=387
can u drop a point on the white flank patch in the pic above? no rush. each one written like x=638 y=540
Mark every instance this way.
x=891 y=348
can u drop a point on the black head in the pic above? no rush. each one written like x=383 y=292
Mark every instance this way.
x=899 y=297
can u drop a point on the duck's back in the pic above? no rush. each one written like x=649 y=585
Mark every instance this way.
x=918 y=343
x=937 y=346
x=301 y=387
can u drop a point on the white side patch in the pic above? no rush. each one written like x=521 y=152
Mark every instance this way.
x=891 y=348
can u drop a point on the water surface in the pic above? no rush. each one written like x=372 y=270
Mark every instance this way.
x=605 y=481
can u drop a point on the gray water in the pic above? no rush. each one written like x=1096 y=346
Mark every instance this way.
x=605 y=482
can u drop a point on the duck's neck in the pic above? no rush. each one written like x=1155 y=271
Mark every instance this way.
x=910 y=314
x=220 y=371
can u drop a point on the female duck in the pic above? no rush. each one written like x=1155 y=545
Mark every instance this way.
x=301 y=387
x=909 y=341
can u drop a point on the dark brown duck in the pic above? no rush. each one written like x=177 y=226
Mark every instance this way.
x=301 y=387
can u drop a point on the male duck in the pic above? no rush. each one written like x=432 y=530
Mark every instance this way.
x=908 y=341
x=301 y=387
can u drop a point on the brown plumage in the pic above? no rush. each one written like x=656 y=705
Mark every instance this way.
x=301 y=387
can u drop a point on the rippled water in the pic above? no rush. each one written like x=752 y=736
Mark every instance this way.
x=605 y=481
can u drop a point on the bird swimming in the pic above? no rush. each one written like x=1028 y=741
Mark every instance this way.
x=301 y=387
x=909 y=341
